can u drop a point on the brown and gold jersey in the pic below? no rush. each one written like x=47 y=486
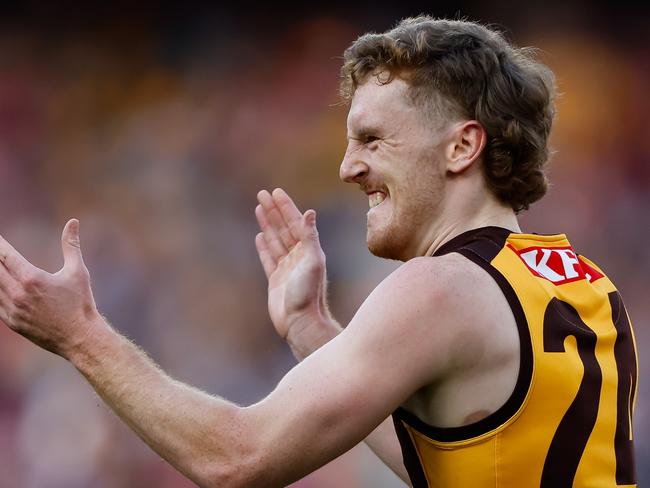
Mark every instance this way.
x=568 y=420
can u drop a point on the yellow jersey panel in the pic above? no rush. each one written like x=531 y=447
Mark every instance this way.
x=568 y=420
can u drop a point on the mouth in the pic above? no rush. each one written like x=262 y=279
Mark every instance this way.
x=375 y=198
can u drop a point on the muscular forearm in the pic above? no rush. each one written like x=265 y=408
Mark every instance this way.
x=195 y=432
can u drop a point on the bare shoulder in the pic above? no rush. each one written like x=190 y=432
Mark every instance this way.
x=450 y=306
x=450 y=282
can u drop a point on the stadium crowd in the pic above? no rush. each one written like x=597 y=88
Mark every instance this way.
x=158 y=137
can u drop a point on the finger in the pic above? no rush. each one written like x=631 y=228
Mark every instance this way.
x=275 y=219
x=275 y=245
x=289 y=212
x=70 y=245
x=268 y=263
x=309 y=230
x=13 y=261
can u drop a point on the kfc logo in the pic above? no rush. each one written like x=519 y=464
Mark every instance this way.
x=558 y=265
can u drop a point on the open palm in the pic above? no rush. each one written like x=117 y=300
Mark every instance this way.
x=293 y=261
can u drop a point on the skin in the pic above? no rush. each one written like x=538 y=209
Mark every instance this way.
x=412 y=192
x=432 y=339
x=396 y=149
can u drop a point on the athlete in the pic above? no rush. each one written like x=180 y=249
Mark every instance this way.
x=489 y=358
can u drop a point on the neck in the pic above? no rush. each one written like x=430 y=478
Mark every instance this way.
x=482 y=211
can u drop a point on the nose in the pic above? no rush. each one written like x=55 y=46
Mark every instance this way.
x=353 y=169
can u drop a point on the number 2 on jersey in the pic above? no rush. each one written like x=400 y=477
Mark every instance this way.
x=560 y=321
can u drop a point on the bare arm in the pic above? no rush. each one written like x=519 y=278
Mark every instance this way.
x=58 y=312
x=320 y=409
x=383 y=440
x=294 y=264
x=198 y=434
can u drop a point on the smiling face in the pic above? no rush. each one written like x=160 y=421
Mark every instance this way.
x=396 y=156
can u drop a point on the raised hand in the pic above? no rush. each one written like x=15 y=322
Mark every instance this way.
x=293 y=261
x=54 y=311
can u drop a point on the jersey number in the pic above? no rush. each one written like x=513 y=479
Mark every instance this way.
x=560 y=321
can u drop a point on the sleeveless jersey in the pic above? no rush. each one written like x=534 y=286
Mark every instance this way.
x=568 y=421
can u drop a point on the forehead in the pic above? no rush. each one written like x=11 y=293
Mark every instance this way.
x=375 y=104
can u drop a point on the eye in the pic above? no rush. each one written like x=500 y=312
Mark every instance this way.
x=370 y=139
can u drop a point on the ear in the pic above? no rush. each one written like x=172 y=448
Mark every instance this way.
x=465 y=146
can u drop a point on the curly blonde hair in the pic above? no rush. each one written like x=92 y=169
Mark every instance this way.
x=465 y=69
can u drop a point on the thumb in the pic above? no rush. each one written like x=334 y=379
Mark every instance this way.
x=310 y=232
x=70 y=244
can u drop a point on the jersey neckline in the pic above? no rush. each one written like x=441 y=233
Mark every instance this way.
x=495 y=232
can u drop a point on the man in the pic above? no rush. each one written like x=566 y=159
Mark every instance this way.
x=504 y=359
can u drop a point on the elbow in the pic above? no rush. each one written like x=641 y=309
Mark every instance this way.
x=235 y=473
x=232 y=464
x=217 y=475
x=233 y=458
x=211 y=475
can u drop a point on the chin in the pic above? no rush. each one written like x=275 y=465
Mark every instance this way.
x=387 y=244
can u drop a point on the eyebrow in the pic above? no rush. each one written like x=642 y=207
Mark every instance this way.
x=363 y=131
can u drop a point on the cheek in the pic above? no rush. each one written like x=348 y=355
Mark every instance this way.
x=420 y=193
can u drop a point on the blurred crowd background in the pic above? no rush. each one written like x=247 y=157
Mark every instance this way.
x=156 y=126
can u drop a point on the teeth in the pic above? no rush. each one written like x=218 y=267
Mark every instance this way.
x=375 y=199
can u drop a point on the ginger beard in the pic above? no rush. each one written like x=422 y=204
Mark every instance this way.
x=397 y=226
